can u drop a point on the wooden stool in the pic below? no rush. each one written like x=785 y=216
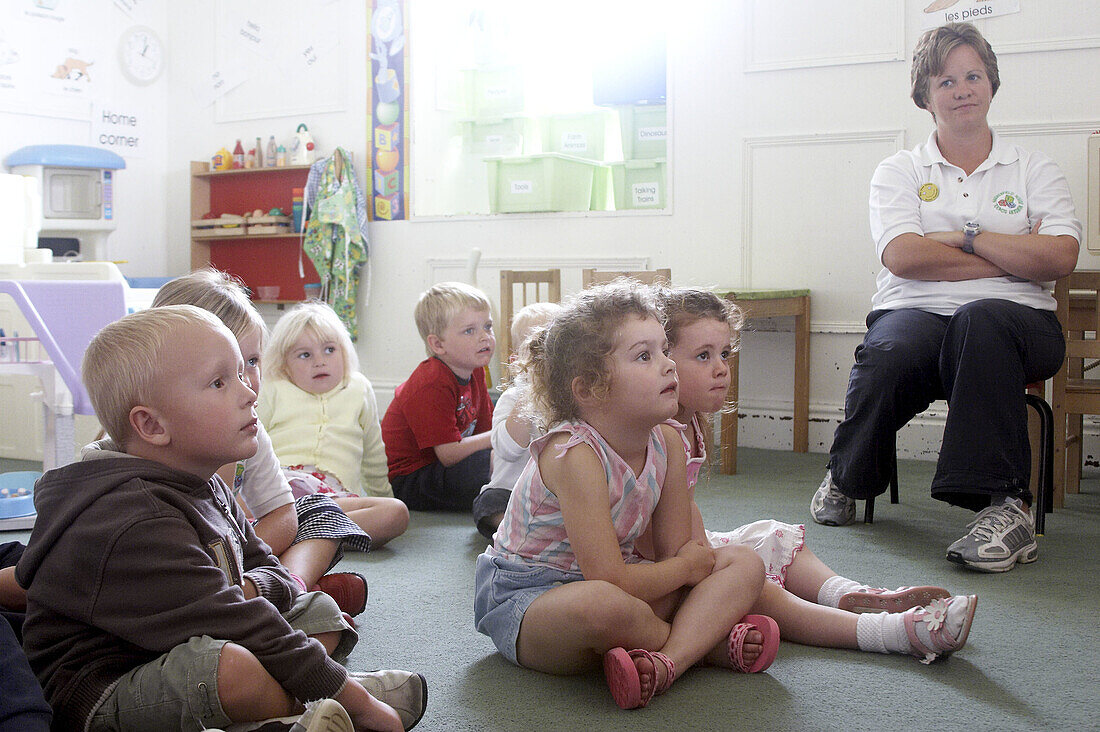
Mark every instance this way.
x=772 y=304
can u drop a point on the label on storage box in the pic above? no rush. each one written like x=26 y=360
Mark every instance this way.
x=646 y=134
x=520 y=187
x=574 y=142
x=498 y=92
x=645 y=194
x=494 y=139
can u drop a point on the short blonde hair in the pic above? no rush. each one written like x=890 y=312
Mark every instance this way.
x=124 y=359
x=218 y=292
x=324 y=323
x=931 y=52
x=577 y=344
x=528 y=317
x=439 y=304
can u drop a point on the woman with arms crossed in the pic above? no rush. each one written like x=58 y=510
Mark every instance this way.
x=971 y=231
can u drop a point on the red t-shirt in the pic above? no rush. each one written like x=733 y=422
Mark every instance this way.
x=433 y=408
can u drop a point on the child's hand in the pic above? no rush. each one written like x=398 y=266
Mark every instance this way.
x=700 y=561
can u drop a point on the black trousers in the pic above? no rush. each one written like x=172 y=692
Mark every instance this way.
x=436 y=488
x=979 y=360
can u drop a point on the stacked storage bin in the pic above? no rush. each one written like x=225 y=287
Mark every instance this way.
x=534 y=164
x=639 y=180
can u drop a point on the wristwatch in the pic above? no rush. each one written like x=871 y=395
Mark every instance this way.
x=970 y=230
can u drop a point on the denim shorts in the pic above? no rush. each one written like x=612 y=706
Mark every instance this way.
x=179 y=690
x=503 y=590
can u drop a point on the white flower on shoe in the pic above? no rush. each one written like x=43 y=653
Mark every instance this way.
x=936 y=614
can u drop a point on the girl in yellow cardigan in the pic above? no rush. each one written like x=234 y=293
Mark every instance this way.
x=322 y=416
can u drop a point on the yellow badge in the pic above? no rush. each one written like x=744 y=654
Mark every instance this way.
x=928 y=192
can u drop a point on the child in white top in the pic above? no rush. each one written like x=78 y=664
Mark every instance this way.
x=322 y=416
x=561 y=588
x=307 y=534
x=512 y=432
x=802 y=593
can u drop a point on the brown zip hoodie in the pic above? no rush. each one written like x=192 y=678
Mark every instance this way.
x=130 y=558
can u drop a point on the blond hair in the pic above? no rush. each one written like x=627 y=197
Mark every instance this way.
x=323 y=322
x=529 y=317
x=439 y=304
x=577 y=343
x=931 y=52
x=220 y=293
x=123 y=361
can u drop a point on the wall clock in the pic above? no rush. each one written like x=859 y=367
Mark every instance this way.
x=141 y=55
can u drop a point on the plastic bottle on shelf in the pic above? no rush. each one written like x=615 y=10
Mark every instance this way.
x=259 y=153
x=222 y=160
x=280 y=157
x=271 y=154
x=238 y=155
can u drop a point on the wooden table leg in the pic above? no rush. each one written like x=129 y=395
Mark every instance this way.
x=801 y=439
x=728 y=440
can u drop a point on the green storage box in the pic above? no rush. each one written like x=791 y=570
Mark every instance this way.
x=594 y=135
x=493 y=91
x=543 y=182
x=639 y=184
x=514 y=134
x=644 y=131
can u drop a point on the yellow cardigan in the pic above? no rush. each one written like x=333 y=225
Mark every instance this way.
x=337 y=431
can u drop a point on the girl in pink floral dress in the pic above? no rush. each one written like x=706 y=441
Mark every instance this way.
x=805 y=597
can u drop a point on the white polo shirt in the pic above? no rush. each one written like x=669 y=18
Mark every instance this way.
x=917 y=191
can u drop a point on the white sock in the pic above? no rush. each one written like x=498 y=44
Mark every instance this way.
x=835 y=588
x=886 y=633
x=869 y=635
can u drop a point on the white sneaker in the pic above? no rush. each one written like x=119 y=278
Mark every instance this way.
x=324 y=715
x=999 y=537
x=831 y=507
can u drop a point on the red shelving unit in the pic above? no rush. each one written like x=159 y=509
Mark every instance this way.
x=260 y=260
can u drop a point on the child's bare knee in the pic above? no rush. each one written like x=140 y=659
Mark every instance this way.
x=399 y=516
x=609 y=609
x=743 y=560
x=246 y=690
x=237 y=675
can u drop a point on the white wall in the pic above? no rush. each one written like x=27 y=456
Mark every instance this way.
x=91 y=31
x=779 y=114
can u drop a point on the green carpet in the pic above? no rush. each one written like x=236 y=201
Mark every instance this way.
x=1031 y=661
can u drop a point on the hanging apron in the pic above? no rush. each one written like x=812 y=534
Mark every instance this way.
x=333 y=238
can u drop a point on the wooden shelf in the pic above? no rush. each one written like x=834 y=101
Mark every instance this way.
x=245 y=237
x=208 y=173
x=259 y=260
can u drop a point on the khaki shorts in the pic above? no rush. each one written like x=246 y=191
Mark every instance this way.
x=179 y=690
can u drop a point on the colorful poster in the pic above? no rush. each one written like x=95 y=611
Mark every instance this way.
x=965 y=11
x=388 y=102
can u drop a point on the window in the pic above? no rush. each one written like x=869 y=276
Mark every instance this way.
x=519 y=106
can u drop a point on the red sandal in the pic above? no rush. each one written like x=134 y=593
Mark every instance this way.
x=623 y=679
x=768 y=628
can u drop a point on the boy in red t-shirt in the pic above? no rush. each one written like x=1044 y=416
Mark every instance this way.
x=436 y=429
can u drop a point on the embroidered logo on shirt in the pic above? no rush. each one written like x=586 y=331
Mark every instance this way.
x=1008 y=202
x=929 y=192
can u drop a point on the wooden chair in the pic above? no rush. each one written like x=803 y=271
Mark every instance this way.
x=533 y=286
x=1076 y=390
x=591 y=277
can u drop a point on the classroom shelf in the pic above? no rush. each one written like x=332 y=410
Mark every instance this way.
x=259 y=260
